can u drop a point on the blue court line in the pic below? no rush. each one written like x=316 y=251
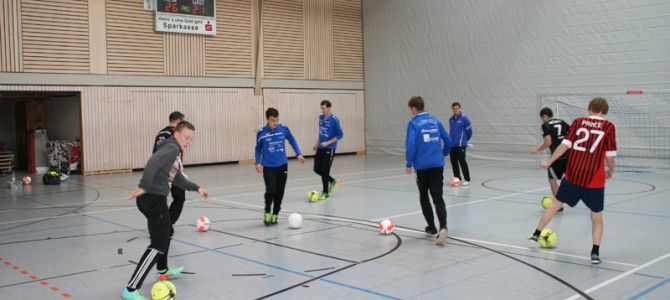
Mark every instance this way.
x=288 y=270
x=649 y=290
x=244 y=258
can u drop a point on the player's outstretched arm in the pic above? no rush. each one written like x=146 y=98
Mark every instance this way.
x=203 y=192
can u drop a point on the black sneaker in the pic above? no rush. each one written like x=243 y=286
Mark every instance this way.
x=431 y=230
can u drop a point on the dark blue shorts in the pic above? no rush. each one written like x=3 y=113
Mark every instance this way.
x=570 y=194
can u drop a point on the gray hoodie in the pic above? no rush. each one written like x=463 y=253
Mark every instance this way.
x=161 y=167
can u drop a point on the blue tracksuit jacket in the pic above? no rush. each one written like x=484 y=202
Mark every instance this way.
x=426 y=142
x=328 y=129
x=270 y=145
x=460 y=129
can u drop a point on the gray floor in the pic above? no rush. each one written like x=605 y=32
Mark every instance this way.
x=79 y=240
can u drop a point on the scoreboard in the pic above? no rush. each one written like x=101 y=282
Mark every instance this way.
x=204 y=8
x=186 y=16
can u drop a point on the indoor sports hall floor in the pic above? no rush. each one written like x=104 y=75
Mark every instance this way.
x=80 y=240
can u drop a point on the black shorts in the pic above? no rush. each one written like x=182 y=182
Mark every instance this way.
x=557 y=169
x=570 y=194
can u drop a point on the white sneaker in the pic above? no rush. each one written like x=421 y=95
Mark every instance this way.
x=465 y=183
x=441 y=237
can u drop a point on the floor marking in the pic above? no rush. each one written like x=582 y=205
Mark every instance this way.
x=622 y=275
x=374 y=223
x=465 y=203
x=647 y=291
x=34 y=278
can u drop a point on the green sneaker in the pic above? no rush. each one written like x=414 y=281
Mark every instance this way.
x=171 y=272
x=273 y=221
x=332 y=185
x=266 y=221
x=134 y=295
x=323 y=196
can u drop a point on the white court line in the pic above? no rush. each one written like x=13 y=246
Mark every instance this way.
x=375 y=222
x=622 y=275
x=466 y=203
x=248 y=185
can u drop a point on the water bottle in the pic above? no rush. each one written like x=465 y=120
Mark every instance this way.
x=14 y=185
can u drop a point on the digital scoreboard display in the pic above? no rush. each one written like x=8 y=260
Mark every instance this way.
x=203 y=8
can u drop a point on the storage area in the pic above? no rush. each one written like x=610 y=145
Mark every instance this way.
x=33 y=120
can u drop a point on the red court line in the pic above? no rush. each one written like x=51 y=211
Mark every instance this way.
x=32 y=277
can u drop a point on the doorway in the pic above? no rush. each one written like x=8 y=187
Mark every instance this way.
x=57 y=113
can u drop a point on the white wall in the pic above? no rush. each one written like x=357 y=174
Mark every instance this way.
x=497 y=56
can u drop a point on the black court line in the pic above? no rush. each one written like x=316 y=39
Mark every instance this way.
x=399 y=242
x=284 y=246
x=580 y=292
x=651 y=187
x=316 y=270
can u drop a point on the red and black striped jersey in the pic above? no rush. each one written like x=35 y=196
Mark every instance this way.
x=590 y=139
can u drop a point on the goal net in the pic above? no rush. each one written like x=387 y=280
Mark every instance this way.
x=642 y=126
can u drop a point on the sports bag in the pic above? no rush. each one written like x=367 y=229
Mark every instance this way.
x=51 y=178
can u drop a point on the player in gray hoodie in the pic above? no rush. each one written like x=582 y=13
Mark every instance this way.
x=160 y=173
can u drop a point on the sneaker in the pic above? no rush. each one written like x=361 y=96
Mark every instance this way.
x=323 y=196
x=533 y=238
x=465 y=183
x=431 y=230
x=595 y=259
x=332 y=185
x=273 y=221
x=441 y=237
x=134 y=295
x=266 y=219
x=171 y=272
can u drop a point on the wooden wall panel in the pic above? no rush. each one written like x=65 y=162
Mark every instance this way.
x=230 y=52
x=184 y=54
x=119 y=123
x=225 y=120
x=283 y=39
x=299 y=110
x=318 y=17
x=132 y=45
x=348 y=40
x=55 y=40
x=10 y=36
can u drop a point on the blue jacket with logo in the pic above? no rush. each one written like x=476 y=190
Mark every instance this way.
x=270 y=145
x=460 y=129
x=328 y=129
x=426 y=143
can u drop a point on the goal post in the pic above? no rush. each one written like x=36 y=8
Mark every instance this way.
x=642 y=123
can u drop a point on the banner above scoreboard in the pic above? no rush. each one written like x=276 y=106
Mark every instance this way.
x=186 y=16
